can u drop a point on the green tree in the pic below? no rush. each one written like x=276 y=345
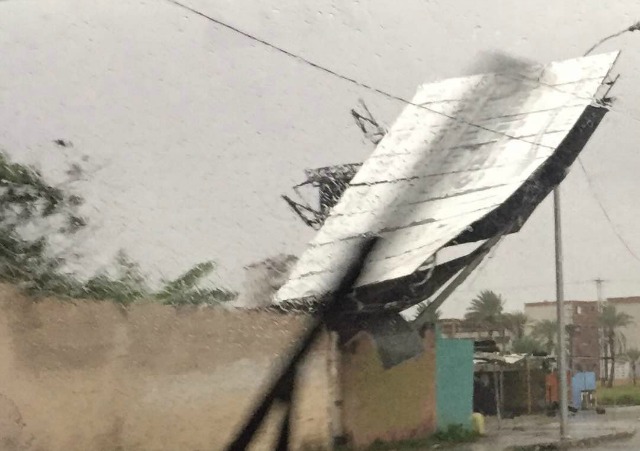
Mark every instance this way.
x=546 y=331
x=125 y=287
x=486 y=311
x=31 y=212
x=188 y=290
x=632 y=355
x=516 y=323
x=526 y=345
x=611 y=321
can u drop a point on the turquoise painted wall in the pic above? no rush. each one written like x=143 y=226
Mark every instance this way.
x=454 y=381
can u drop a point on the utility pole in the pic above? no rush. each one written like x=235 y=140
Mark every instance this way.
x=604 y=375
x=599 y=283
x=562 y=364
x=562 y=358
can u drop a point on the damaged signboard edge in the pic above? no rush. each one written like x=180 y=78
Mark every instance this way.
x=523 y=200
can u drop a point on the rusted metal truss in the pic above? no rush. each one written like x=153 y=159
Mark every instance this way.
x=331 y=183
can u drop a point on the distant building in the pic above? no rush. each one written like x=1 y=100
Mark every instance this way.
x=584 y=335
x=585 y=343
x=460 y=328
x=630 y=306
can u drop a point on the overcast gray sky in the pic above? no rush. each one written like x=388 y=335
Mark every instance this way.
x=193 y=132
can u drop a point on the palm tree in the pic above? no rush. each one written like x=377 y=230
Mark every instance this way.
x=611 y=321
x=546 y=330
x=633 y=355
x=187 y=289
x=516 y=323
x=486 y=311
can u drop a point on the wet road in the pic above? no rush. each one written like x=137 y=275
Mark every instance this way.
x=630 y=414
x=631 y=444
x=620 y=419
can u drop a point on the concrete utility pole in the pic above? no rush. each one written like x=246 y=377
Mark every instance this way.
x=562 y=363
x=599 y=283
x=604 y=361
x=562 y=358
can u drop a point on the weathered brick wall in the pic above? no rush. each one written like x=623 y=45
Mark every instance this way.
x=387 y=405
x=92 y=376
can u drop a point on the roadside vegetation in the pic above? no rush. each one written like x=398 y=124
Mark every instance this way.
x=34 y=213
x=454 y=434
x=619 y=395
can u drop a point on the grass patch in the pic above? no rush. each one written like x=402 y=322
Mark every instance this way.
x=454 y=434
x=622 y=395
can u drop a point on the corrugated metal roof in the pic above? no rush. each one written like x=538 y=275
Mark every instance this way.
x=454 y=155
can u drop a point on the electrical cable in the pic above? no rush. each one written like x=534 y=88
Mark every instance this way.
x=632 y=28
x=606 y=214
x=346 y=78
x=389 y=95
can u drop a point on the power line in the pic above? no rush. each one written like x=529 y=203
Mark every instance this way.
x=345 y=77
x=387 y=94
x=605 y=213
x=611 y=108
x=630 y=29
x=634 y=27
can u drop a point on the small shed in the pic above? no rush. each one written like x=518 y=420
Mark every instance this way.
x=509 y=385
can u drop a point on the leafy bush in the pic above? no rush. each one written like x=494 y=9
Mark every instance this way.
x=621 y=395
x=29 y=203
x=185 y=289
x=455 y=433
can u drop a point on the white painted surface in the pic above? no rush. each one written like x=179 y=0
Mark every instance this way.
x=456 y=153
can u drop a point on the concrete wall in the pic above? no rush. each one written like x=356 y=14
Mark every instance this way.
x=454 y=382
x=387 y=405
x=92 y=376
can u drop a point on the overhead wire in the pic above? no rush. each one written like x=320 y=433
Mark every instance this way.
x=388 y=94
x=392 y=96
x=621 y=239
x=634 y=27
x=605 y=213
x=611 y=108
x=347 y=78
x=352 y=81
